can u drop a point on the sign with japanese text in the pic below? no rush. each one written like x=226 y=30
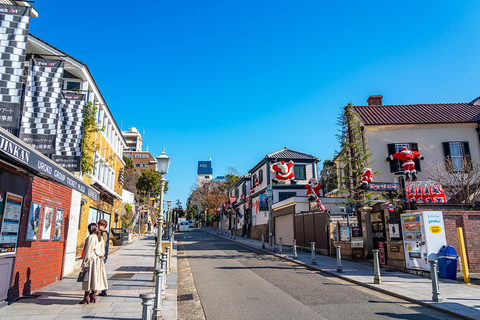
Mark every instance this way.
x=10 y=223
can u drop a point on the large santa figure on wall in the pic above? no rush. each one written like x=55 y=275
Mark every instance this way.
x=407 y=156
x=283 y=172
x=367 y=177
x=313 y=189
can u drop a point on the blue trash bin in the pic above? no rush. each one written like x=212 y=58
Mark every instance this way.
x=447 y=262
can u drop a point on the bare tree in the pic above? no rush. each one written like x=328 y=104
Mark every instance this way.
x=210 y=195
x=460 y=178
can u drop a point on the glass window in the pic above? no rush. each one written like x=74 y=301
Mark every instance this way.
x=138 y=156
x=207 y=177
x=137 y=165
x=129 y=156
x=145 y=156
x=145 y=165
x=456 y=154
x=285 y=195
x=260 y=176
x=73 y=85
x=300 y=172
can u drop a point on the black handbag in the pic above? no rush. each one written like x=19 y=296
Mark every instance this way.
x=81 y=276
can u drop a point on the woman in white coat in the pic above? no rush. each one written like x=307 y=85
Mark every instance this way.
x=94 y=253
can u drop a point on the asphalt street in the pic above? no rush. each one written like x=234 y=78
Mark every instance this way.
x=235 y=282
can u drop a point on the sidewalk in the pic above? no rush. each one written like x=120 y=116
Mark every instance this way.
x=459 y=299
x=129 y=273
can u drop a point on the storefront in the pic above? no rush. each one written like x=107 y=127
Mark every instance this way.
x=35 y=204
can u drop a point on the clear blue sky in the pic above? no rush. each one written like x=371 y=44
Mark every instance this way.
x=240 y=79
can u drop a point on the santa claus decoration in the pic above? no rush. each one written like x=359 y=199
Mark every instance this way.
x=313 y=189
x=283 y=172
x=320 y=204
x=252 y=190
x=257 y=184
x=407 y=156
x=367 y=177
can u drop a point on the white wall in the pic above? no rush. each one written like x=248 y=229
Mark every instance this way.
x=71 y=247
x=429 y=138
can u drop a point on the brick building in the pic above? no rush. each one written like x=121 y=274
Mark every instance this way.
x=142 y=160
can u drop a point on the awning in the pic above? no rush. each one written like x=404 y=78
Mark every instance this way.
x=24 y=155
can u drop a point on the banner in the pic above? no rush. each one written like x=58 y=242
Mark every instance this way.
x=43 y=98
x=263 y=202
x=14 y=23
x=69 y=131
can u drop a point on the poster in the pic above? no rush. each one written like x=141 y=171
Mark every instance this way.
x=357 y=242
x=394 y=230
x=263 y=202
x=47 y=223
x=33 y=222
x=57 y=233
x=344 y=233
x=10 y=222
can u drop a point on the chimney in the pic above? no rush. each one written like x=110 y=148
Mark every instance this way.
x=374 y=100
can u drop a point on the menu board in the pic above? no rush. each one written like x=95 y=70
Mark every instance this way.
x=12 y=208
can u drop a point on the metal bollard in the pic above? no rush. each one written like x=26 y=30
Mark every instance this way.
x=377 y=278
x=168 y=259
x=263 y=241
x=313 y=253
x=280 y=249
x=157 y=304
x=295 y=249
x=273 y=243
x=147 y=303
x=163 y=263
x=435 y=285
x=233 y=235
x=339 y=260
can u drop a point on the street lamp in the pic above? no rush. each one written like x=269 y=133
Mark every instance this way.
x=269 y=200
x=169 y=217
x=163 y=162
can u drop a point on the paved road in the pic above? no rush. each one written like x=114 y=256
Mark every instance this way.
x=234 y=282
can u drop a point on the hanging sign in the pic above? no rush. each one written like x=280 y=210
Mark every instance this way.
x=390 y=207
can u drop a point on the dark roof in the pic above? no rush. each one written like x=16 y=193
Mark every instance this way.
x=286 y=153
x=204 y=167
x=463 y=112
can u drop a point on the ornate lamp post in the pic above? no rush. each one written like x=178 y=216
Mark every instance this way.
x=270 y=200
x=163 y=162
x=169 y=218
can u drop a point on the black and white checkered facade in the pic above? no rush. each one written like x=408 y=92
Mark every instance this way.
x=70 y=124
x=43 y=99
x=14 y=24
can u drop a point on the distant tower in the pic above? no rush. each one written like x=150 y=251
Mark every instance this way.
x=204 y=172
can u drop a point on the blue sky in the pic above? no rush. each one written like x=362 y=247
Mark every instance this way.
x=240 y=79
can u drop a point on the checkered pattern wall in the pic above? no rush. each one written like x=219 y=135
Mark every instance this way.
x=14 y=24
x=43 y=98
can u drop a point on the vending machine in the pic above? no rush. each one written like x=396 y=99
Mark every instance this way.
x=423 y=235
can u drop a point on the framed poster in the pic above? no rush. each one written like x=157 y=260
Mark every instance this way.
x=33 y=222
x=47 y=223
x=57 y=231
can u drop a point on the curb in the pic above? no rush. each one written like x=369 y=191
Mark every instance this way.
x=366 y=285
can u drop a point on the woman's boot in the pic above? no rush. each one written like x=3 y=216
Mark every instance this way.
x=93 y=296
x=86 y=298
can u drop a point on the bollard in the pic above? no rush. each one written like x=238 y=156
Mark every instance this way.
x=147 y=302
x=168 y=259
x=295 y=249
x=263 y=241
x=339 y=260
x=233 y=234
x=377 y=278
x=270 y=242
x=280 y=249
x=157 y=304
x=163 y=263
x=273 y=243
x=313 y=253
x=435 y=285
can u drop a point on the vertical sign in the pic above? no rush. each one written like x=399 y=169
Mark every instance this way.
x=11 y=222
x=381 y=252
x=43 y=98
x=14 y=23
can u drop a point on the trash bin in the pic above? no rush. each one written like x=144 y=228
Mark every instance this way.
x=116 y=236
x=447 y=262
x=125 y=233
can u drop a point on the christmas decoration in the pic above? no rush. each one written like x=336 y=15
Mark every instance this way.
x=257 y=184
x=320 y=204
x=426 y=193
x=367 y=177
x=252 y=190
x=407 y=156
x=283 y=171
x=313 y=189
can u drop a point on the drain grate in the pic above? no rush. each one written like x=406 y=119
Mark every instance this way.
x=185 y=297
x=122 y=276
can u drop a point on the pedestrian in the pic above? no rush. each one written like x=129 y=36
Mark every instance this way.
x=155 y=232
x=96 y=276
x=102 y=225
x=149 y=227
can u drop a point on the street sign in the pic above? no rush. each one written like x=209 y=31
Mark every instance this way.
x=390 y=207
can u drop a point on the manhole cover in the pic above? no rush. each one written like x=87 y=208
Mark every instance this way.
x=122 y=276
x=185 y=297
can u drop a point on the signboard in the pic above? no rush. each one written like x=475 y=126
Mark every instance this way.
x=381 y=252
x=394 y=230
x=344 y=233
x=390 y=207
x=263 y=202
x=12 y=210
x=395 y=248
x=33 y=160
x=357 y=242
x=382 y=186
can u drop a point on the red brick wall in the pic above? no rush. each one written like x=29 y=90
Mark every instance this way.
x=470 y=222
x=40 y=263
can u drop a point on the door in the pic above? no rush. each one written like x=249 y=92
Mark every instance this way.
x=284 y=229
x=6 y=268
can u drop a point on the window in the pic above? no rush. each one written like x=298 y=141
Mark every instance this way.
x=459 y=154
x=73 y=85
x=138 y=156
x=237 y=193
x=285 y=195
x=145 y=165
x=129 y=156
x=145 y=156
x=207 y=177
x=300 y=172
x=396 y=165
x=254 y=177
x=260 y=176
x=137 y=165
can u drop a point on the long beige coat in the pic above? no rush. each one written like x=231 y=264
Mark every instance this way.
x=94 y=253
